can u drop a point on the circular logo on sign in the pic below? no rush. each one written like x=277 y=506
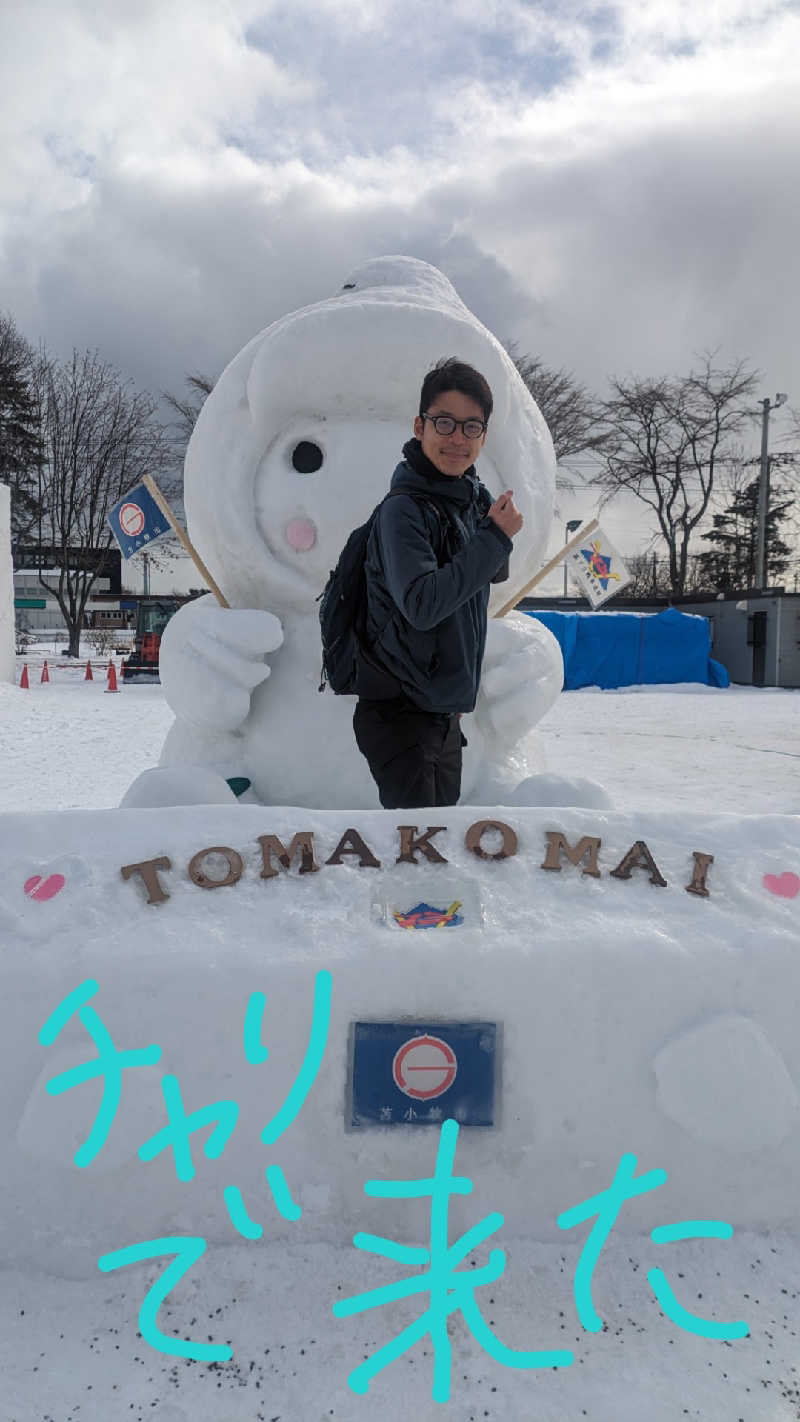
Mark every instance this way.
x=424 y=1067
x=131 y=519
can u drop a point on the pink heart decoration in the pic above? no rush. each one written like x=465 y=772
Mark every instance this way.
x=786 y=886
x=42 y=889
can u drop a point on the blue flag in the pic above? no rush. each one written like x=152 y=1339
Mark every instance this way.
x=137 y=521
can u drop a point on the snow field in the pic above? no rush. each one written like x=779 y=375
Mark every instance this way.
x=68 y=745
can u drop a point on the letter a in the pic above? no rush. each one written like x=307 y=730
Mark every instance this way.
x=639 y=857
x=352 y=843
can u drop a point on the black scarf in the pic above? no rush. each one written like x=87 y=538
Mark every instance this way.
x=414 y=455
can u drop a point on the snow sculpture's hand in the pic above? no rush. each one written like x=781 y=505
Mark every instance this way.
x=522 y=675
x=212 y=657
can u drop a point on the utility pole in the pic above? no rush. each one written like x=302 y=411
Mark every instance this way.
x=763 y=491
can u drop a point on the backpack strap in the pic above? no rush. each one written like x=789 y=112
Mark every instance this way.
x=430 y=501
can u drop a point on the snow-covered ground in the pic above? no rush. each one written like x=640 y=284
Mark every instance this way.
x=690 y=747
x=68 y=745
x=69 y=1351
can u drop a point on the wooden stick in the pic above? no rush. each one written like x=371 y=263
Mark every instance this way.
x=188 y=547
x=548 y=567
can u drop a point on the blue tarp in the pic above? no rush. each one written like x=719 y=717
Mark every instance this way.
x=612 y=649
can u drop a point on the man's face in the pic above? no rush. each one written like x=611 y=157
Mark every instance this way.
x=453 y=453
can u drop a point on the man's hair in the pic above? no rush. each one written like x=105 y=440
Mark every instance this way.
x=453 y=374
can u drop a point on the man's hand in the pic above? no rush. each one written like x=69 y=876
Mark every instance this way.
x=505 y=514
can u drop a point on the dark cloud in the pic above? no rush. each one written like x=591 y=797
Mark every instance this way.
x=611 y=220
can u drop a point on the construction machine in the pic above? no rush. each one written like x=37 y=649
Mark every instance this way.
x=152 y=617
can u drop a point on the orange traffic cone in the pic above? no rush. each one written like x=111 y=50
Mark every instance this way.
x=24 y=684
x=109 y=668
x=45 y=671
x=88 y=676
x=112 y=678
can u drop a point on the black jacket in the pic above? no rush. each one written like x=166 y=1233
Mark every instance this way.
x=428 y=587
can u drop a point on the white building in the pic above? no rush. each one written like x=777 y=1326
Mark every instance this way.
x=42 y=614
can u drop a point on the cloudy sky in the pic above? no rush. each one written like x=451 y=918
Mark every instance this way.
x=614 y=186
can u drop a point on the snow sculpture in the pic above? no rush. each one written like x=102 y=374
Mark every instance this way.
x=293 y=448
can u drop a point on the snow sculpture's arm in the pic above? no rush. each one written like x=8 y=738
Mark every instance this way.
x=211 y=658
x=522 y=675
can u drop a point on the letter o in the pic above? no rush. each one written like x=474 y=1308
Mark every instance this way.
x=235 y=867
x=476 y=832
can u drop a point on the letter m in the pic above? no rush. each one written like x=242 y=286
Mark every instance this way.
x=586 y=848
x=302 y=843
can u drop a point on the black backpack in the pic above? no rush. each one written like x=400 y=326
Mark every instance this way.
x=343 y=603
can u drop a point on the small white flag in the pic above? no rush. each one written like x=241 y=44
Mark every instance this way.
x=596 y=567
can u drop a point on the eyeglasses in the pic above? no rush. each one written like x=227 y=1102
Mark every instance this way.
x=445 y=425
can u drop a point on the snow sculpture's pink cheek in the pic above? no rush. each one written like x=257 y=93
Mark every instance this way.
x=300 y=534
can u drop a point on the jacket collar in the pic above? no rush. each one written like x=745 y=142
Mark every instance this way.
x=418 y=472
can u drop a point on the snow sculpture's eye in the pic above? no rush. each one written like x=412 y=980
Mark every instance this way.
x=307 y=457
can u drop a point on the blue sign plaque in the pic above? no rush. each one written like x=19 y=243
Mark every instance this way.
x=423 y=1073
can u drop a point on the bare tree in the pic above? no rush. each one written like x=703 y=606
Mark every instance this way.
x=572 y=415
x=649 y=575
x=102 y=640
x=189 y=407
x=98 y=438
x=667 y=438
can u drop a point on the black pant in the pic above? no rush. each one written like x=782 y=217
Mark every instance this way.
x=414 y=756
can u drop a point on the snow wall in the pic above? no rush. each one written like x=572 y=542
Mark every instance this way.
x=632 y=1016
x=6 y=588
x=611 y=649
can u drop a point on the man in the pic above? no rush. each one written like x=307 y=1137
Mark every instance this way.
x=431 y=557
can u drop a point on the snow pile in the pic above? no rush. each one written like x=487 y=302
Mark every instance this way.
x=634 y=1017
x=631 y=1017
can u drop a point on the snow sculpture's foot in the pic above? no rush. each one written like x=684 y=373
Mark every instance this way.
x=559 y=790
x=168 y=785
